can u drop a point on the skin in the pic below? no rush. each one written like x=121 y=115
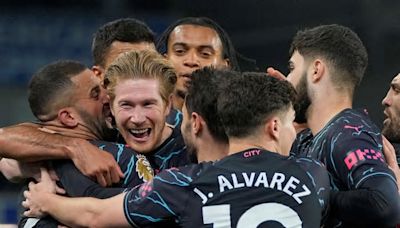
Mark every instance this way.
x=140 y=116
x=116 y=48
x=191 y=47
x=89 y=212
x=391 y=104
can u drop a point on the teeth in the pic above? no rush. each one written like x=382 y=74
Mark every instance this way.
x=138 y=131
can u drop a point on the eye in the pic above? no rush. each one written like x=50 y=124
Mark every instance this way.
x=205 y=54
x=125 y=105
x=290 y=67
x=179 y=51
x=95 y=93
x=148 y=104
x=396 y=89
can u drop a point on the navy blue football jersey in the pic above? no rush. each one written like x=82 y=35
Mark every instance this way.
x=135 y=167
x=350 y=146
x=252 y=188
x=171 y=153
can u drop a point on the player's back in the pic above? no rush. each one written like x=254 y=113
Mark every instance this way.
x=256 y=188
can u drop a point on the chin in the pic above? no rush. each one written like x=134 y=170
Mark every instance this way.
x=143 y=148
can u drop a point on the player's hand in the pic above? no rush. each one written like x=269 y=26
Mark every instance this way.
x=95 y=163
x=36 y=197
x=275 y=73
x=390 y=156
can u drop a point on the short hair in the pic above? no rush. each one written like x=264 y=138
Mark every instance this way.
x=124 y=30
x=50 y=86
x=202 y=98
x=141 y=65
x=340 y=46
x=247 y=101
x=228 y=49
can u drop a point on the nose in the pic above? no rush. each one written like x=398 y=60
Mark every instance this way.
x=137 y=116
x=386 y=100
x=191 y=60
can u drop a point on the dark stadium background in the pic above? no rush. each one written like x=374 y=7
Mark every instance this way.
x=34 y=33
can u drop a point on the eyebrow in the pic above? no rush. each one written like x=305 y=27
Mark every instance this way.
x=187 y=45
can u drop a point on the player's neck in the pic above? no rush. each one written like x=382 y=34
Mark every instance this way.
x=324 y=108
x=237 y=145
x=177 y=101
x=212 y=150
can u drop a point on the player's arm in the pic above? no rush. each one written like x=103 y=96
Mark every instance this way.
x=372 y=187
x=82 y=212
x=25 y=142
x=77 y=212
x=78 y=185
x=15 y=171
x=376 y=197
x=390 y=156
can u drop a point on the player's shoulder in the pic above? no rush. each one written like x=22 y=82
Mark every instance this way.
x=312 y=167
x=109 y=146
x=353 y=119
x=174 y=118
x=182 y=176
x=307 y=163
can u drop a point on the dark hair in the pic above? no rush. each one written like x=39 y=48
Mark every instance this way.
x=49 y=86
x=202 y=98
x=245 y=102
x=227 y=46
x=124 y=30
x=340 y=46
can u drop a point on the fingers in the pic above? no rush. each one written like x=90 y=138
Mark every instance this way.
x=107 y=177
x=389 y=152
x=101 y=180
x=44 y=175
x=116 y=175
x=53 y=175
x=275 y=73
x=60 y=191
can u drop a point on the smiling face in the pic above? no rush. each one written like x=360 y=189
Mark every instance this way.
x=140 y=113
x=191 y=47
x=391 y=103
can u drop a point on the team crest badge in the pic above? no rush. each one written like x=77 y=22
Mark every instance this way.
x=143 y=168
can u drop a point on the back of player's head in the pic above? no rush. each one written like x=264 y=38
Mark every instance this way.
x=50 y=88
x=337 y=44
x=123 y=30
x=202 y=98
x=141 y=65
x=246 y=102
x=227 y=45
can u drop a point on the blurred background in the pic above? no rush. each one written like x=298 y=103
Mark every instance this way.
x=37 y=32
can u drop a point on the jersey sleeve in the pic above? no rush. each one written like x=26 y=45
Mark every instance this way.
x=160 y=200
x=78 y=185
x=355 y=156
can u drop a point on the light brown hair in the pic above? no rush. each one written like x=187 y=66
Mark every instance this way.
x=141 y=65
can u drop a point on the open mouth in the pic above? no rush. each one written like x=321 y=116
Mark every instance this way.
x=140 y=133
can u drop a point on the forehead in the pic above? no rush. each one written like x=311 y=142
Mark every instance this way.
x=85 y=81
x=297 y=58
x=396 y=80
x=138 y=89
x=118 y=47
x=195 y=35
